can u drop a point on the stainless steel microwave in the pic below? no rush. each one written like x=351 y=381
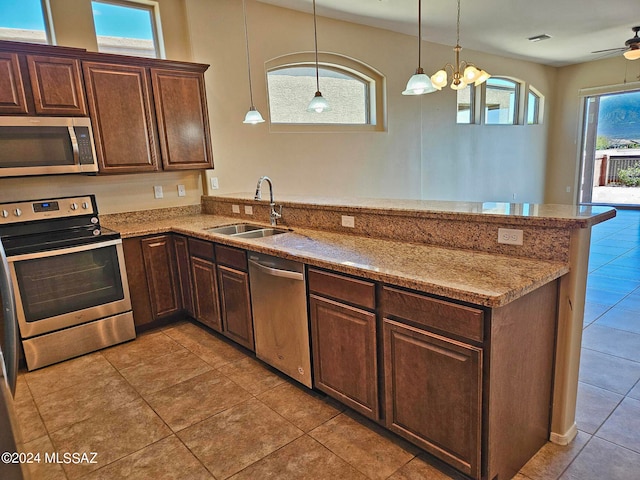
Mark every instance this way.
x=46 y=145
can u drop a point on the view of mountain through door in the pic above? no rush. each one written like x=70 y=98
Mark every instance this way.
x=611 y=149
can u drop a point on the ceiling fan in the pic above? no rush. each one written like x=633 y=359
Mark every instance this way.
x=631 y=49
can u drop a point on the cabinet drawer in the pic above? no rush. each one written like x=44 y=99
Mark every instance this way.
x=232 y=257
x=351 y=290
x=200 y=248
x=445 y=316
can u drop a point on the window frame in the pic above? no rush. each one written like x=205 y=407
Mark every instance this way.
x=340 y=63
x=538 y=114
x=472 y=105
x=153 y=7
x=49 y=32
x=515 y=118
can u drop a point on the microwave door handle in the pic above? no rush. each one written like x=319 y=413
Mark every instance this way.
x=10 y=322
x=74 y=145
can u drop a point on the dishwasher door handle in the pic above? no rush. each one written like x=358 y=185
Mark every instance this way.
x=276 y=272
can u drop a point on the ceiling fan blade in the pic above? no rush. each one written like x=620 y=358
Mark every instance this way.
x=619 y=49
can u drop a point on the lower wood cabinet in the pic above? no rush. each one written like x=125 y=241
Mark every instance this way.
x=433 y=393
x=344 y=354
x=183 y=264
x=205 y=293
x=235 y=299
x=151 y=274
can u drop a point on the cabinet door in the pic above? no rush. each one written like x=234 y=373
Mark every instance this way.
x=137 y=279
x=122 y=117
x=205 y=293
x=183 y=263
x=183 y=120
x=159 y=262
x=56 y=84
x=237 y=322
x=12 y=95
x=433 y=393
x=344 y=354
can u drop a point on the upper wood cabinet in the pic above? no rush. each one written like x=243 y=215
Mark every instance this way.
x=122 y=117
x=41 y=85
x=183 y=121
x=56 y=84
x=12 y=94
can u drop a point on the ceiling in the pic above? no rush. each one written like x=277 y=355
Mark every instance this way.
x=501 y=27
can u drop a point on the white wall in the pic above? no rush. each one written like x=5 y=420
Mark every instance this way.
x=424 y=154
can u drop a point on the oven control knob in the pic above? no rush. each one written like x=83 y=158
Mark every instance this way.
x=96 y=232
x=17 y=212
x=5 y=214
x=94 y=220
x=85 y=205
x=74 y=206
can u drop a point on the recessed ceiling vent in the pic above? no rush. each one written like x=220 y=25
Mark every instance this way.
x=539 y=38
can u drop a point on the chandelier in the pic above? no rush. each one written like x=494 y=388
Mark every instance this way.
x=462 y=73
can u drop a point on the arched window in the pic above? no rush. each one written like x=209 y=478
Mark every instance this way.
x=501 y=101
x=354 y=92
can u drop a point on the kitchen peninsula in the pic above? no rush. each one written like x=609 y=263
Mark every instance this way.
x=459 y=333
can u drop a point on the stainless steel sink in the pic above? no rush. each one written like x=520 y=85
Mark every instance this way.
x=263 y=232
x=246 y=230
x=235 y=229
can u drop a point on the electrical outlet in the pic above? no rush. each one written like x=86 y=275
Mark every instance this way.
x=182 y=192
x=248 y=210
x=157 y=191
x=235 y=208
x=568 y=189
x=348 y=221
x=214 y=183
x=510 y=236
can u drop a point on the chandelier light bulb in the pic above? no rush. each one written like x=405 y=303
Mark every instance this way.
x=439 y=79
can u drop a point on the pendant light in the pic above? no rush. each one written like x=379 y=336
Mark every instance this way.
x=419 y=83
x=462 y=73
x=318 y=103
x=253 y=115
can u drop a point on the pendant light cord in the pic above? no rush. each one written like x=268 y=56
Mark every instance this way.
x=419 y=34
x=315 y=38
x=246 y=38
x=458 y=26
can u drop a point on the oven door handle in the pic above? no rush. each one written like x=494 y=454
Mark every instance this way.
x=63 y=251
x=74 y=145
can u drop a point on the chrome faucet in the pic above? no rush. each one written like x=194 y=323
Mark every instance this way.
x=273 y=215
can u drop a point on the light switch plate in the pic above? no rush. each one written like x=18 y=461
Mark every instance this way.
x=235 y=208
x=214 y=183
x=182 y=192
x=157 y=191
x=248 y=210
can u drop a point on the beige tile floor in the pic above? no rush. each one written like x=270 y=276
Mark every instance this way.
x=182 y=403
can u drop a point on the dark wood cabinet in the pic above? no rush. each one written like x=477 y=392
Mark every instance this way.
x=159 y=261
x=123 y=121
x=183 y=264
x=433 y=393
x=344 y=354
x=343 y=333
x=12 y=93
x=206 y=305
x=183 y=120
x=56 y=84
x=235 y=299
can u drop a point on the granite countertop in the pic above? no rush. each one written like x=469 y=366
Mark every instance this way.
x=480 y=278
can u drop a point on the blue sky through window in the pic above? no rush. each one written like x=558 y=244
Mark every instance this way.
x=120 y=21
x=23 y=14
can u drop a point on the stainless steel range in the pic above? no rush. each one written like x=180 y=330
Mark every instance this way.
x=69 y=277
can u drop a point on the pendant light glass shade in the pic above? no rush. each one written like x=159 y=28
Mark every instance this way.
x=253 y=116
x=318 y=104
x=632 y=54
x=419 y=83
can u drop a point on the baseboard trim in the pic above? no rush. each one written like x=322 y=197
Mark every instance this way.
x=564 y=438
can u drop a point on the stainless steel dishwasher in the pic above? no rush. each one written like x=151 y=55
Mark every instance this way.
x=280 y=324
